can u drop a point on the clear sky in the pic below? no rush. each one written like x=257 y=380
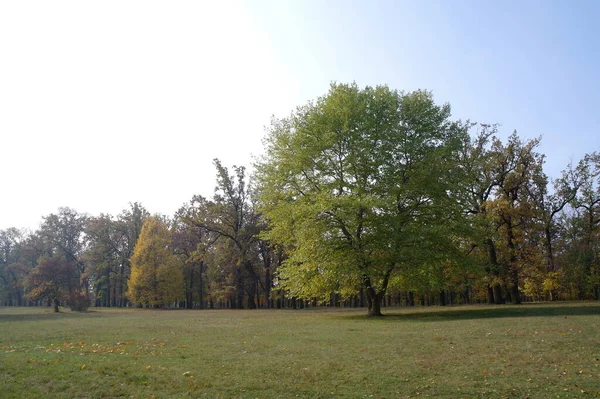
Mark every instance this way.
x=106 y=103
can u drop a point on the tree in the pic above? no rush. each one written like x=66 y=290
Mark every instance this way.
x=102 y=256
x=587 y=204
x=156 y=276
x=551 y=203
x=12 y=271
x=188 y=244
x=111 y=243
x=513 y=208
x=230 y=216
x=65 y=233
x=53 y=279
x=357 y=187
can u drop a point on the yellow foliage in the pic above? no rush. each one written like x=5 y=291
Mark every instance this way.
x=156 y=277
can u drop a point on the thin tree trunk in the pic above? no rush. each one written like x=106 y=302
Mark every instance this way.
x=549 y=251
x=494 y=265
x=514 y=272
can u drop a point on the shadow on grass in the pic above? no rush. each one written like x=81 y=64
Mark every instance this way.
x=486 y=312
x=48 y=315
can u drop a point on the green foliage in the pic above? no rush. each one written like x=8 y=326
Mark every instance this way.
x=230 y=223
x=357 y=184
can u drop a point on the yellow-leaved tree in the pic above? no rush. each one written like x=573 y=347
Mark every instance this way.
x=156 y=276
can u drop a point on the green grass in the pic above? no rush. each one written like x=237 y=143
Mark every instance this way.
x=527 y=351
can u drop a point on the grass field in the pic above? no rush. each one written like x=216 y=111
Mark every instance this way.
x=527 y=351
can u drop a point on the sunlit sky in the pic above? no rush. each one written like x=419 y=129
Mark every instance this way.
x=106 y=103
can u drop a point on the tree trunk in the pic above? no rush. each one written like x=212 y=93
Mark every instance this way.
x=490 y=294
x=498 y=300
x=239 y=290
x=201 y=286
x=494 y=271
x=55 y=304
x=122 y=287
x=374 y=298
x=251 y=301
x=513 y=270
x=375 y=308
x=514 y=288
x=549 y=252
x=362 y=297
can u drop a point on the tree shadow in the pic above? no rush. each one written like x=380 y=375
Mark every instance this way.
x=486 y=312
x=48 y=315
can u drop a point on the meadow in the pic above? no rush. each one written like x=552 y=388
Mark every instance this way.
x=548 y=350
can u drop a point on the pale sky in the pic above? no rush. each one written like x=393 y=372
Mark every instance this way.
x=106 y=103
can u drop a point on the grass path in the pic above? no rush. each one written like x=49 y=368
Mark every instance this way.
x=527 y=351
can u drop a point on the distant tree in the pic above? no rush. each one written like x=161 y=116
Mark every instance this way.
x=12 y=271
x=512 y=209
x=102 y=257
x=188 y=243
x=156 y=276
x=53 y=279
x=129 y=226
x=65 y=233
x=110 y=245
x=230 y=216
x=587 y=207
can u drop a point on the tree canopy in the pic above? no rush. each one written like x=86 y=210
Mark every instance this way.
x=156 y=276
x=364 y=196
x=358 y=186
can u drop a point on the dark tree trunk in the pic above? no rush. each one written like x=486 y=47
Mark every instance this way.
x=122 y=287
x=514 y=288
x=107 y=298
x=513 y=269
x=375 y=298
x=410 y=299
x=189 y=294
x=494 y=270
x=201 y=286
x=55 y=305
x=333 y=300
x=549 y=251
x=251 y=301
x=442 y=298
x=239 y=290
x=490 y=294
x=362 y=297
x=498 y=300
x=375 y=310
x=113 y=299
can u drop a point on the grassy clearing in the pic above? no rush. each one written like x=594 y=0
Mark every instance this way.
x=533 y=350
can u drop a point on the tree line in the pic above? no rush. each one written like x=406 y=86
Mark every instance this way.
x=364 y=197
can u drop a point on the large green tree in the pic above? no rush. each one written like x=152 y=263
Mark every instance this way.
x=358 y=187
